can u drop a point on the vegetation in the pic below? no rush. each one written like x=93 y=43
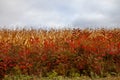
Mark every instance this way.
x=56 y=53
x=24 y=77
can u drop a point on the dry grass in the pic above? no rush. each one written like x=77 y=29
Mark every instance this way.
x=91 y=46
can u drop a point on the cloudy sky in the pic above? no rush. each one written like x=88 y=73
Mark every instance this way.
x=60 y=12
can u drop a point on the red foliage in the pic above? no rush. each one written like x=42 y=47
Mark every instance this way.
x=48 y=54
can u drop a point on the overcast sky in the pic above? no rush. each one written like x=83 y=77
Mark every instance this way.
x=60 y=12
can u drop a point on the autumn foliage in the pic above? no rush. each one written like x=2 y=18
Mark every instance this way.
x=38 y=52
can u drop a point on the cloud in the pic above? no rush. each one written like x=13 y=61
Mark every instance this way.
x=104 y=12
x=11 y=11
x=59 y=12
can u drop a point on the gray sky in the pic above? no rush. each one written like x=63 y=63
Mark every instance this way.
x=60 y=12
